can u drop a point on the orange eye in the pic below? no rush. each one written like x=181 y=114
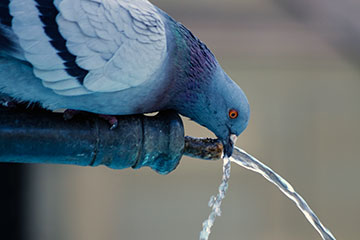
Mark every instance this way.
x=233 y=114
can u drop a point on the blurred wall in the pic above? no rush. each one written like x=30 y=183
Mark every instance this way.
x=304 y=97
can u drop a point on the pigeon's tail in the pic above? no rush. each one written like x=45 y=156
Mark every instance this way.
x=6 y=44
x=8 y=40
x=5 y=17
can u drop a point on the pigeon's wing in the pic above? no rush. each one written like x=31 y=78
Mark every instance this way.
x=84 y=46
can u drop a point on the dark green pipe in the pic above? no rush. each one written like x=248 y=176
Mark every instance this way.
x=40 y=136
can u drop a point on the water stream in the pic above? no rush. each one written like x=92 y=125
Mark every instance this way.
x=247 y=161
x=215 y=201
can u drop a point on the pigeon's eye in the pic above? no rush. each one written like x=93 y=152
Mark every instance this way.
x=233 y=114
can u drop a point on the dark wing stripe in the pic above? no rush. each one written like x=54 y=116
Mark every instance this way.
x=5 y=19
x=48 y=13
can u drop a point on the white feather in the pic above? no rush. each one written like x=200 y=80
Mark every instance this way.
x=51 y=75
x=73 y=92
x=62 y=85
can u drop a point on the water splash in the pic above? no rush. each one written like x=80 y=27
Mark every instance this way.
x=247 y=161
x=215 y=201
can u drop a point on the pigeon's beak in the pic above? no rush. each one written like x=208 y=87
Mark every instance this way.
x=229 y=145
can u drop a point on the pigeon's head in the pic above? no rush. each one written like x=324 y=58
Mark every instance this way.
x=206 y=94
x=220 y=105
x=229 y=110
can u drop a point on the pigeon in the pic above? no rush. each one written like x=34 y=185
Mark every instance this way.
x=115 y=57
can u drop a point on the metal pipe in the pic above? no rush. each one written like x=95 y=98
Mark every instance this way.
x=40 y=136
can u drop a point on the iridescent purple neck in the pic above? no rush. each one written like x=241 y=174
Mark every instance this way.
x=194 y=68
x=198 y=61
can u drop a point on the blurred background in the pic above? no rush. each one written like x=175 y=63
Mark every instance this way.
x=298 y=62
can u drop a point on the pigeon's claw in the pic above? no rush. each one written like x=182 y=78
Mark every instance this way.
x=7 y=101
x=70 y=113
x=111 y=119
